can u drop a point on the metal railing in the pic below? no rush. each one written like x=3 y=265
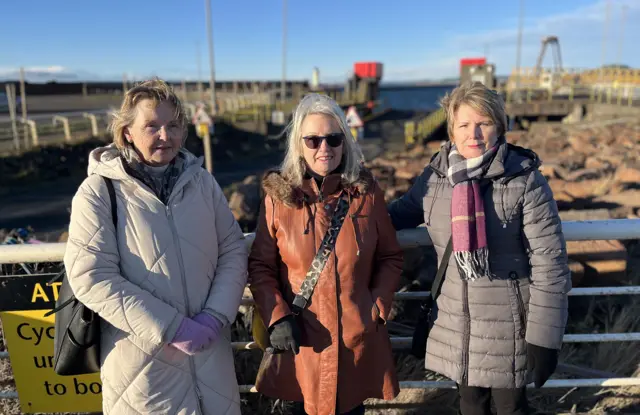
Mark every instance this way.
x=415 y=131
x=614 y=229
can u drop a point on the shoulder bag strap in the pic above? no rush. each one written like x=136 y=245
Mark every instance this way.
x=442 y=268
x=317 y=265
x=114 y=217
x=114 y=206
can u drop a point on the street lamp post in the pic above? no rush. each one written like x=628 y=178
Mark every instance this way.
x=283 y=84
x=519 y=47
x=206 y=140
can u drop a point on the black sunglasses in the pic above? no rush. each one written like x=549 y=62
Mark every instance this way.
x=314 y=141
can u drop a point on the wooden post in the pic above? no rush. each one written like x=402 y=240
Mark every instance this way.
x=11 y=98
x=212 y=75
x=23 y=99
x=208 y=156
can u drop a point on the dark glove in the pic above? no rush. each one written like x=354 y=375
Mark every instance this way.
x=285 y=335
x=541 y=362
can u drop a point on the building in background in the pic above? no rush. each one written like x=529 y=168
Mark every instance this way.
x=315 y=79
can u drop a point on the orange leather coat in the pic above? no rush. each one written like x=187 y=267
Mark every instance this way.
x=345 y=355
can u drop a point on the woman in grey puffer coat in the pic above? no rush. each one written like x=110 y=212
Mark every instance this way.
x=501 y=312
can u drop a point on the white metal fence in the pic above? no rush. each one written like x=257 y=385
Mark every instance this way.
x=615 y=229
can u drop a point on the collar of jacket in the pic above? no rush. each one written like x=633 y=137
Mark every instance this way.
x=329 y=185
x=280 y=189
x=106 y=161
x=510 y=161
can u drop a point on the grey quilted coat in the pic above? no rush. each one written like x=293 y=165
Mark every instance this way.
x=162 y=263
x=482 y=327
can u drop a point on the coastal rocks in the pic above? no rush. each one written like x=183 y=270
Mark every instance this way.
x=628 y=175
x=605 y=262
x=589 y=165
x=244 y=201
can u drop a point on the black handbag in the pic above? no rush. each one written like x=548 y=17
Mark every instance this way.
x=425 y=317
x=77 y=328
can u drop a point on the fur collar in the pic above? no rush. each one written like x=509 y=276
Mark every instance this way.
x=280 y=189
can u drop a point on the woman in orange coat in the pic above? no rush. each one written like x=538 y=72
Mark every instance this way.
x=331 y=352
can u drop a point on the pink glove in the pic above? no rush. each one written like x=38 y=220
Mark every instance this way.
x=193 y=337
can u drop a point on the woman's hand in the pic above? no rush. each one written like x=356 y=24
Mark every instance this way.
x=542 y=362
x=194 y=336
x=285 y=335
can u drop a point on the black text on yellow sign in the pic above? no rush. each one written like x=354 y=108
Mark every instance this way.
x=29 y=338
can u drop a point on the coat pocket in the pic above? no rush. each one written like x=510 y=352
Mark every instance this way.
x=521 y=314
x=375 y=313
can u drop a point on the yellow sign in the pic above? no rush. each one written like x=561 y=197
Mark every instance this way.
x=29 y=338
x=203 y=130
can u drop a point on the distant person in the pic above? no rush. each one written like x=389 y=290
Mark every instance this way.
x=168 y=281
x=202 y=121
x=501 y=311
x=331 y=346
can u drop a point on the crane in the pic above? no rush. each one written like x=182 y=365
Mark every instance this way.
x=557 y=58
x=549 y=80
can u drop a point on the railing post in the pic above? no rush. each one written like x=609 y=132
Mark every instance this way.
x=571 y=91
x=34 y=130
x=94 y=122
x=65 y=125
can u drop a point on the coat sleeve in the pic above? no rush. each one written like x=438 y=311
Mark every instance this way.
x=550 y=275
x=407 y=211
x=230 y=276
x=92 y=264
x=264 y=261
x=388 y=257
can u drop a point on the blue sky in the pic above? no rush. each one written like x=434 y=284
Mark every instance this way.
x=414 y=39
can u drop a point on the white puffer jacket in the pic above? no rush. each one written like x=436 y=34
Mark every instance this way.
x=163 y=263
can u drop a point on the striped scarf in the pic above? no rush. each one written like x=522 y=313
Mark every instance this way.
x=468 y=226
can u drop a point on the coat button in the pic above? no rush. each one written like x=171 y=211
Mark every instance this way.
x=513 y=275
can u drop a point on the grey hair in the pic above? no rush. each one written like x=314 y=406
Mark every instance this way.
x=293 y=167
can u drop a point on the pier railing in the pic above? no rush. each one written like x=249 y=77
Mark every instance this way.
x=37 y=130
x=619 y=229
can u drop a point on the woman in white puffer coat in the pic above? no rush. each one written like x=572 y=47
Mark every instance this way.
x=168 y=281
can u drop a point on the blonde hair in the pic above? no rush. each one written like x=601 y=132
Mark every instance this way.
x=293 y=166
x=156 y=90
x=482 y=99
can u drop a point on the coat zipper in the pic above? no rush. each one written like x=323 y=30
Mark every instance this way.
x=466 y=333
x=521 y=309
x=176 y=240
